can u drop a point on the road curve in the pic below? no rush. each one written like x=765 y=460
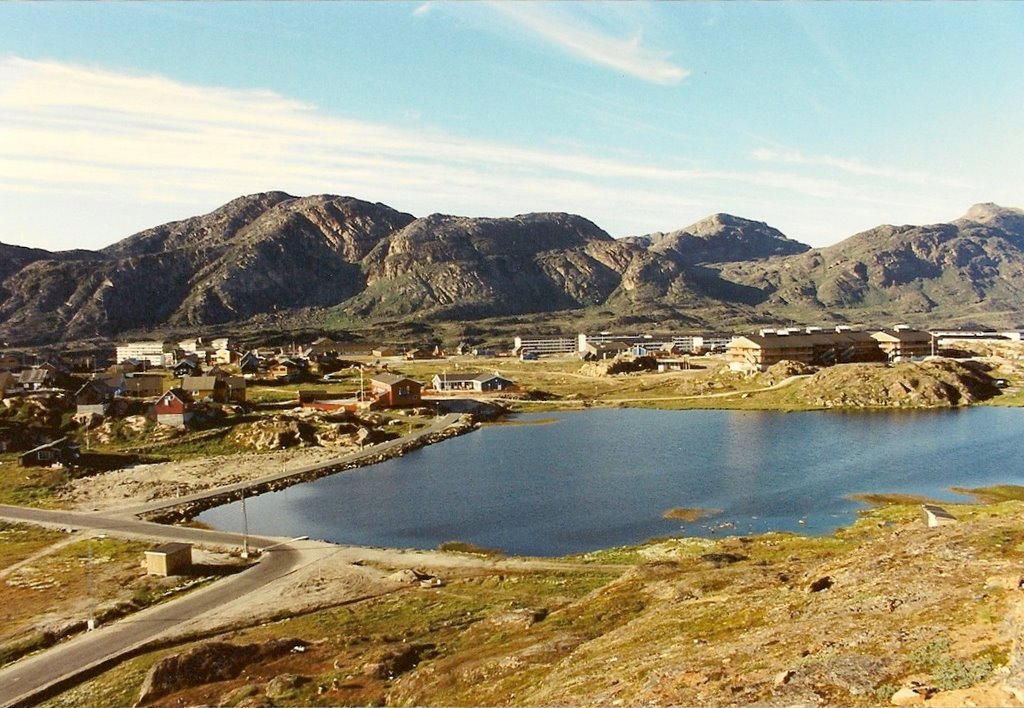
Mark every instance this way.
x=24 y=682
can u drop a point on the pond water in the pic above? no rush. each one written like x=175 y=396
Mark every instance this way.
x=562 y=483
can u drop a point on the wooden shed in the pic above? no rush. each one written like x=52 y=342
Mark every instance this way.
x=169 y=559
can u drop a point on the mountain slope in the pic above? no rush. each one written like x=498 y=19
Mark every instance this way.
x=273 y=255
x=720 y=238
x=970 y=268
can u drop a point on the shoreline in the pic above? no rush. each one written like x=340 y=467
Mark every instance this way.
x=155 y=492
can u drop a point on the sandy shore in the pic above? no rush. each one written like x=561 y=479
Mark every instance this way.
x=144 y=483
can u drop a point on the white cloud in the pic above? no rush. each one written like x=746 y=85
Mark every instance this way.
x=124 y=149
x=591 y=44
x=854 y=167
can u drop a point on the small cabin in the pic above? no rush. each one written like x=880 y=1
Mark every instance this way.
x=169 y=559
x=58 y=452
x=934 y=516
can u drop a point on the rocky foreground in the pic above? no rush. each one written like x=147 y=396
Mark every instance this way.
x=886 y=612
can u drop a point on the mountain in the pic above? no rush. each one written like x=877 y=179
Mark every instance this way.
x=273 y=260
x=720 y=238
x=970 y=270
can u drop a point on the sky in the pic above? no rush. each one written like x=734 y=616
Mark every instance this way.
x=822 y=119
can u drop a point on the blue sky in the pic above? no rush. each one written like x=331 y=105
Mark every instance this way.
x=823 y=119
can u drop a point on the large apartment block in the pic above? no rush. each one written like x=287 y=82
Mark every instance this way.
x=155 y=352
x=582 y=343
x=758 y=352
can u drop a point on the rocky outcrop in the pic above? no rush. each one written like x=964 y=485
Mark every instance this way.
x=206 y=663
x=939 y=383
x=721 y=238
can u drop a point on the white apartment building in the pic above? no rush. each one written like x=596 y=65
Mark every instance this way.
x=155 y=352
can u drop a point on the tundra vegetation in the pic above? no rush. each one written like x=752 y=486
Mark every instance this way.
x=774 y=619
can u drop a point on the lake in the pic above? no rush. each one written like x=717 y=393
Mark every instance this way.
x=561 y=483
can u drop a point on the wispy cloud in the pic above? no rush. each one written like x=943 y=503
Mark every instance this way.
x=96 y=137
x=854 y=166
x=580 y=39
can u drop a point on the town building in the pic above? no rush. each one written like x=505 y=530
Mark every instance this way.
x=394 y=391
x=37 y=378
x=142 y=385
x=543 y=345
x=284 y=370
x=8 y=382
x=202 y=388
x=169 y=559
x=94 y=397
x=59 y=452
x=174 y=408
x=188 y=366
x=758 y=352
x=153 y=352
x=934 y=516
x=902 y=342
x=471 y=381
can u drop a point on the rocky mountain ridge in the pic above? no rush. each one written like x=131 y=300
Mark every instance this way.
x=322 y=257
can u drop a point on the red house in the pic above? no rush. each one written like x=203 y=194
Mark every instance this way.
x=174 y=408
x=393 y=391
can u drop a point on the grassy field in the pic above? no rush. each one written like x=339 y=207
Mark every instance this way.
x=53 y=582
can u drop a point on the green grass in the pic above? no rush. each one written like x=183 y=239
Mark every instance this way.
x=994 y=494
x=29 y=486
x=18 y=541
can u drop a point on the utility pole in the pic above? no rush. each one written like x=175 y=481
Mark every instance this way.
x=90 y=623
x=245 y=529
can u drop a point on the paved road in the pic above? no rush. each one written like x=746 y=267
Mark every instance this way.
x=23 y=681
x=127 y=527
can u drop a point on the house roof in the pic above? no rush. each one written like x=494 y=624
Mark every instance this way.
x=143 y=383
x=56 y=443
x=461 y=376
x=98 y=385
x=392 y=379
x=37 y=375
x=170 y=548
x=179 y=393
x=199 y=383
x=904 y=336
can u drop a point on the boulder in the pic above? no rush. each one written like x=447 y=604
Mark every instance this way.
x=907 y=697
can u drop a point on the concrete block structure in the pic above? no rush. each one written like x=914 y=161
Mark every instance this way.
x=169 y=559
